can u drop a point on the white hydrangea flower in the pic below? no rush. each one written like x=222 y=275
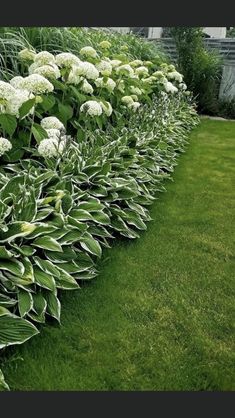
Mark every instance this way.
x=85 y=69
x=32 y=67
x=182 y=86
x=51 y=147
x=134 y=106
x=27 y=54
x=88 y=51
x=121 y=86
x=51 y=122
x=142 y=71
x=110 y=84
x=170 y=88
x=149 y=80
x=115 y=63
x=17 y=81
x=158 y=74
x=53 y=133
x=5 y=145
x=127 y=100
x=37 y=84
x=135 y=90
x=104 y=67
x=66 y=59
x=6 y=90
x=105 y=44
x=107 y=108
x=87 y=87
x=74 y=76
x=175 y=75
x=125 y=69
x=16 y=100
x=49 y=71
x=91 y=108
x=136 y=63
x=43 y=58
x=134 y=97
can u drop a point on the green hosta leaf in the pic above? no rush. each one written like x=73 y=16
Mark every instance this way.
x=3 y=384
x=7 y=301
x=28 y=275
x=66 y=203
x=81 y=226
x=86 y=275
x=44 y=279
x=45 y=177
x=17 y=229
x=53 y=305
x=4 y=253
x=72 y=267
x=126 y=193
x=25 y=302
x=8 y=124
x=68 y=254
x=65 y=280
x=41 y=229
x=43 y=213
x=47 y=243
x=26 y=107
x=12 y=187
x=101 y=218
x=39 y=307
x=91 y=245
x=80 y=214
x=91 y=206
x=71 y=237
x=24 y=250
x=28 y=208
x=46 y=266
x=15 y=330
x=39 y=133
x=13 y=266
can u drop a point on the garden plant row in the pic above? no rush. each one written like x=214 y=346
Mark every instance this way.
x=85 y=143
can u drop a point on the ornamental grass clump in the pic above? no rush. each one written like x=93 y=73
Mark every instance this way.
x=82 y=155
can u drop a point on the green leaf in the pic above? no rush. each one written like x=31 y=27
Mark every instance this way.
x=68 y=254
x=39 y=133
x=44 y=279
x=91 y=206
x=65 y=112
x=101 y=218
x=47 y=243
x=47 y=266
x=80 y=214
x=26 y=107
x=8 y=124
x=41 y=229
x=15 y=230
x=65 y=281
x=53 y=305
x=3 y=384
x=47 y=102
x=91 y=245
x=15 y=330
x=4 y=253
x=25 y=302
x=13 y=266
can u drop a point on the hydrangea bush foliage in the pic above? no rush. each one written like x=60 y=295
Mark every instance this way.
x=85 y=143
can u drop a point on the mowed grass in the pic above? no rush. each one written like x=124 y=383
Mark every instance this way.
x=160 y=316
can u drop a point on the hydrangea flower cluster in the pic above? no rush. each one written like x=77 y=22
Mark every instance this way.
x=88 y=51
x=37 y=84
x=104 y=67
x=66 y=59
x=51 y=122
x=5 y=145
x=91 y=108
x=51 y=147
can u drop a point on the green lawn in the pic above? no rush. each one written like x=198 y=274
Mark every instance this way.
x=160 y=316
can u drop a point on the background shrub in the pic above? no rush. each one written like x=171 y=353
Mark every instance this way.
x=202 y=68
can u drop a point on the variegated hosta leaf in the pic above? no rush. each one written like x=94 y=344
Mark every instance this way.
x=15 y=330
x=3 y=384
